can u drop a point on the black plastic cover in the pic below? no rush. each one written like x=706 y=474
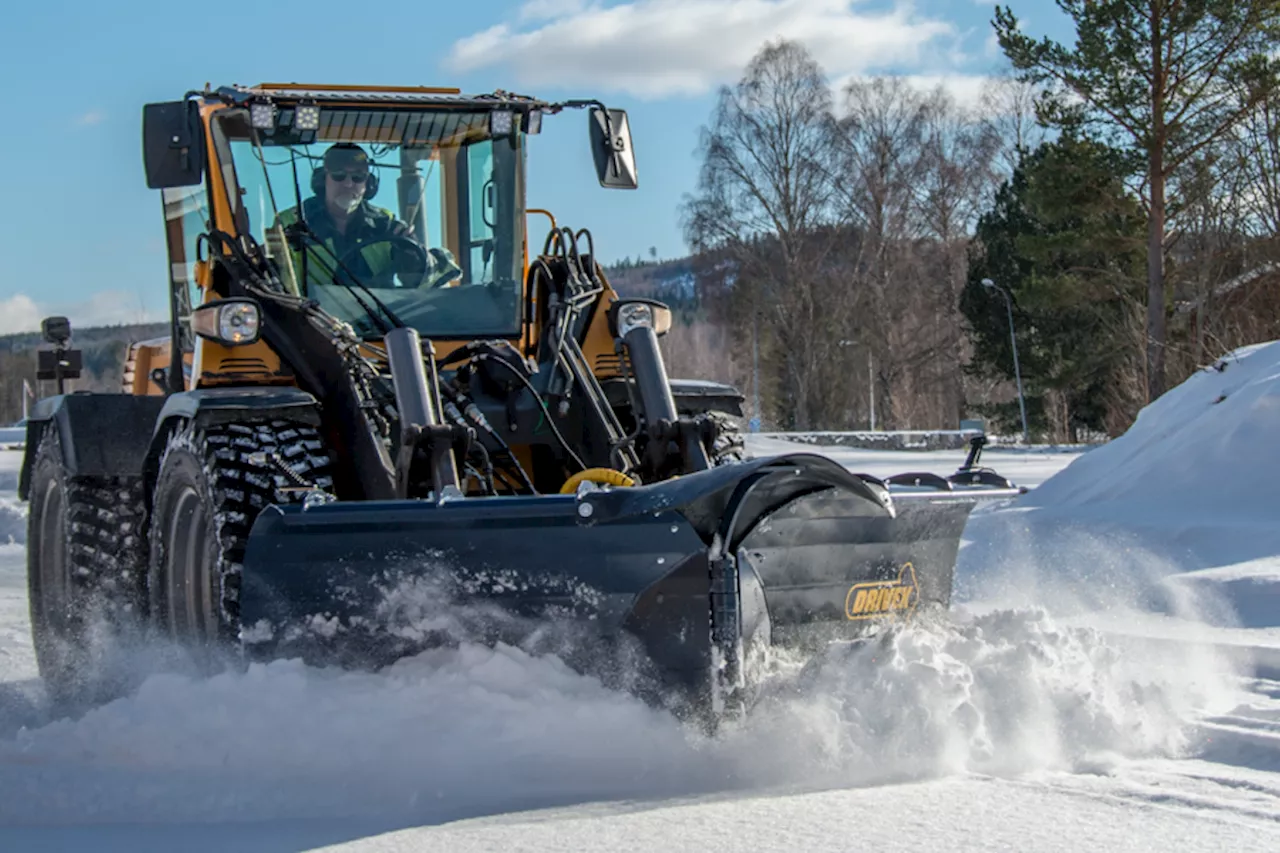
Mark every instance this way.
x=102 y=435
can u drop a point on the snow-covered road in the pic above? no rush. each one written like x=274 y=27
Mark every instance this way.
x=1063 y=709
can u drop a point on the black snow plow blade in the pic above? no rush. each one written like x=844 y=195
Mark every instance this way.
x=790 y=549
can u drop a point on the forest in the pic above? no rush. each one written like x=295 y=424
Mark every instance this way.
x=1120 y=194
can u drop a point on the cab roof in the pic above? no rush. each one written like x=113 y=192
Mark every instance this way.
x=381 y=95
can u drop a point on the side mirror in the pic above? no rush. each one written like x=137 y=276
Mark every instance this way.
x=611 y=147
x=172 y=144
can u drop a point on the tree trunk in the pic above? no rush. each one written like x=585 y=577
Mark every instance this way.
x=1155 y=284
x=1155 y=224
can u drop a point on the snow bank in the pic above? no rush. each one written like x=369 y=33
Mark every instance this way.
x=1193 y=485
x=476 y=730
x=1203 y=455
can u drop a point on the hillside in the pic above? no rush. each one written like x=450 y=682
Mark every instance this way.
x=103 y=349
x=671 y=281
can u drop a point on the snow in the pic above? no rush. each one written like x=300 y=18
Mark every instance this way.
x=1107 y=681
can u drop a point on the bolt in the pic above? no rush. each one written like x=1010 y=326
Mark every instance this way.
x=585 y=510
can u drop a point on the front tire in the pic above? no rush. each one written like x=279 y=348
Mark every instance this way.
x=730 y=444
x=212 y=484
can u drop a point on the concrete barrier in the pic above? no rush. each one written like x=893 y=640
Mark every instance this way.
x=937 y=439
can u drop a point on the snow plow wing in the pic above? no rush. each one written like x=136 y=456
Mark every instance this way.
x=783 y=549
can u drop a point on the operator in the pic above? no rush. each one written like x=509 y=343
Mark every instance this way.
x=347 y=227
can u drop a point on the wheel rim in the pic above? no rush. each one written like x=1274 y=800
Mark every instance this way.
x=189 y=570
x=54 y=604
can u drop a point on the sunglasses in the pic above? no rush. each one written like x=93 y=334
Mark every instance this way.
x=339 y=177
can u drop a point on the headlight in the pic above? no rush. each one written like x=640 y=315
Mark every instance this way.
x=231 y=322
x=634 y=314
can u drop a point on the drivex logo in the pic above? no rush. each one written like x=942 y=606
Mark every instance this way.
x=882 y=598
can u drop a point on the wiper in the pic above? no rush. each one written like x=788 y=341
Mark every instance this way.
x=303 y=229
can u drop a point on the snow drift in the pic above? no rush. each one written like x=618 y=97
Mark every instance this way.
x=1157 y=513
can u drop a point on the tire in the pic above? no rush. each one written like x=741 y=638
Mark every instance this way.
x=86 y=567
x=729 y=445
x=209 y=490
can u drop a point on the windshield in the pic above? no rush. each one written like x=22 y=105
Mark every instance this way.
x=422 y=208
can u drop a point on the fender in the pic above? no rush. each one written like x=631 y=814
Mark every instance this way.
x=102 y=435
x=225 y=405
x=122 y=435
x=692 y=396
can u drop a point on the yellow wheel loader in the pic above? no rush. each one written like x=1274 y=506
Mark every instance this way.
x=378 y=408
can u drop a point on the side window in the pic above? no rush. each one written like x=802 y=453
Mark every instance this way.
x=186 y=214
x=482 y=203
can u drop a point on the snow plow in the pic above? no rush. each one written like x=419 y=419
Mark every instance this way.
x=365 y=417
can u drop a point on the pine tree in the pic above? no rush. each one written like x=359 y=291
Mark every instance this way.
x=1161 y=79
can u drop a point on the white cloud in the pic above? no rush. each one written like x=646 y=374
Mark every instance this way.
x=967 y=89
x=91 y=118
x=657 y=48
x=21 y=313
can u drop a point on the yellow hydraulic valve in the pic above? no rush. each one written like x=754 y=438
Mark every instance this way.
x=603 y=476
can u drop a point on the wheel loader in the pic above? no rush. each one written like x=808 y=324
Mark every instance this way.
x=381 y=404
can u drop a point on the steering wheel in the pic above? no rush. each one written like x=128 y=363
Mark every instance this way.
x=409 y=262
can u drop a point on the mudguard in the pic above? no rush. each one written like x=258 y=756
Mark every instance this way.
x=102 y=435
x=226 y=405
x=231 y=405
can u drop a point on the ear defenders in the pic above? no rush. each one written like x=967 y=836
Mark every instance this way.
x=370 y=184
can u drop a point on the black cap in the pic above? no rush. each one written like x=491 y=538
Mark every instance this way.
x=345 y=155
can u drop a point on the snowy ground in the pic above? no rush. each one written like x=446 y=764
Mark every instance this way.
x=1108 y=683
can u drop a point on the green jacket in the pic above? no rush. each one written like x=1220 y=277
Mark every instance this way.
x=368 y=225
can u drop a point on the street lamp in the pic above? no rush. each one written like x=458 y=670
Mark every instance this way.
x=1017 y=372
x=754 y=424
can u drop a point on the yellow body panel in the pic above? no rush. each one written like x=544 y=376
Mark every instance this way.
x=249 y=364
x=142 y=358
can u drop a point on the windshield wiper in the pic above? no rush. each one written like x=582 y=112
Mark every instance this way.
x=302 y=229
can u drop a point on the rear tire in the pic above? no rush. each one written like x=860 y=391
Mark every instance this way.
x=85 y=569
x=209 y=491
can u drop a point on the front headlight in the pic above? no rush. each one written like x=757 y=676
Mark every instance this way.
x=231 y=322
x=629 y=314
x=633 y=316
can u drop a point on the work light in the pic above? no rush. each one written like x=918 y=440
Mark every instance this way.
x=307 y=117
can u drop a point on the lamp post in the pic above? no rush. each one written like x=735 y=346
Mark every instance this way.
x=1017 y=372
x=754 y=424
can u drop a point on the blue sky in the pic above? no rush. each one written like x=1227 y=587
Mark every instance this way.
x=82 y=234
